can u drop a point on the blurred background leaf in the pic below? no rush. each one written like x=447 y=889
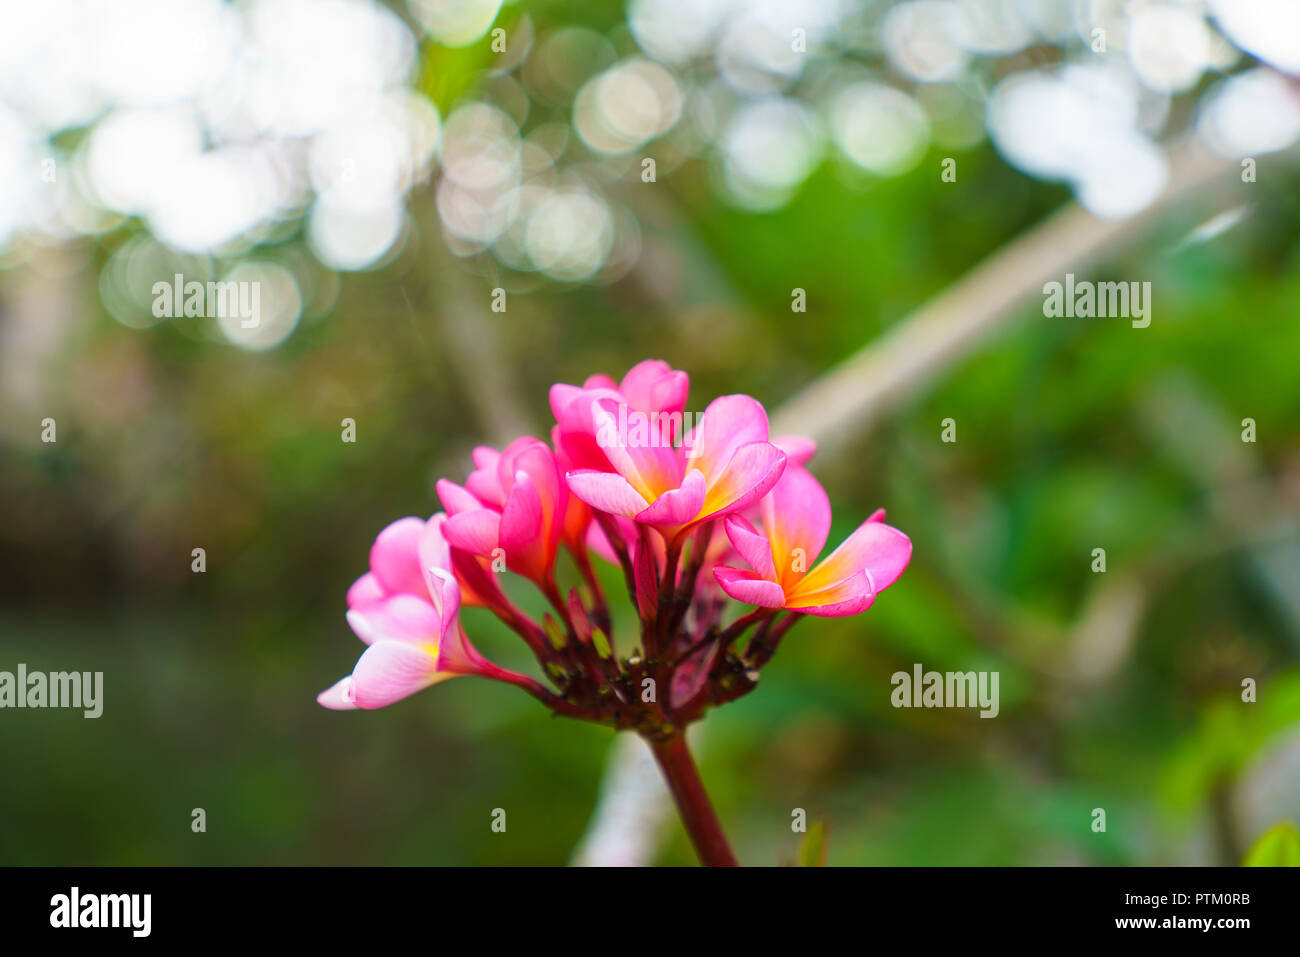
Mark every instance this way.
x=1278 y=847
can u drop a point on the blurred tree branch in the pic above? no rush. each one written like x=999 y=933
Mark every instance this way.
x=845 y=400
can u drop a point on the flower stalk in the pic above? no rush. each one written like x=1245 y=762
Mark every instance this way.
x=702 y=826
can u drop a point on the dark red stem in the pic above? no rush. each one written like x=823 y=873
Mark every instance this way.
x=702 y=825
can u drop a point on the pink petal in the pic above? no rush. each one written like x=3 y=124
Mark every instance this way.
x=750 y=475
x=340 y=696
x=650 y=466
x=796 y=516
x=445 y=592
x=744 y=585
x=575 y=431
x=535 y=458
x=677 y=506
x=390 y=671
x=581 y=451
x=400 y=617
x=476 y=532
x=729 y=422
x=607 y=492
x=395 y=559
x=456 y=499
x=879 y=549
x=484 y=456
x=364 y=590
x=524 y=535
x=654 y=386
x=561 y=396
x=598 y=542
x=797 y=448
x=753 y=547
x=848 y=597
x=434 y=550
x=485 y=481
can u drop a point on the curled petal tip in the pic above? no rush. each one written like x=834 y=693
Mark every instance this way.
x=748 y=587
x=340 y=696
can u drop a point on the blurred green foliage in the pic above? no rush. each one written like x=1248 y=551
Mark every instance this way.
x=1279 y=847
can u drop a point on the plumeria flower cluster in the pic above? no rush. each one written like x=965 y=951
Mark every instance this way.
x=695 y=519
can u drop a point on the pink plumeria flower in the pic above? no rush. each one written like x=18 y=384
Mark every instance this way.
x=620 y=480
x=406 y=609
x=516 y=501
x=726 y=464
x=651 y=389
x=796 y=519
